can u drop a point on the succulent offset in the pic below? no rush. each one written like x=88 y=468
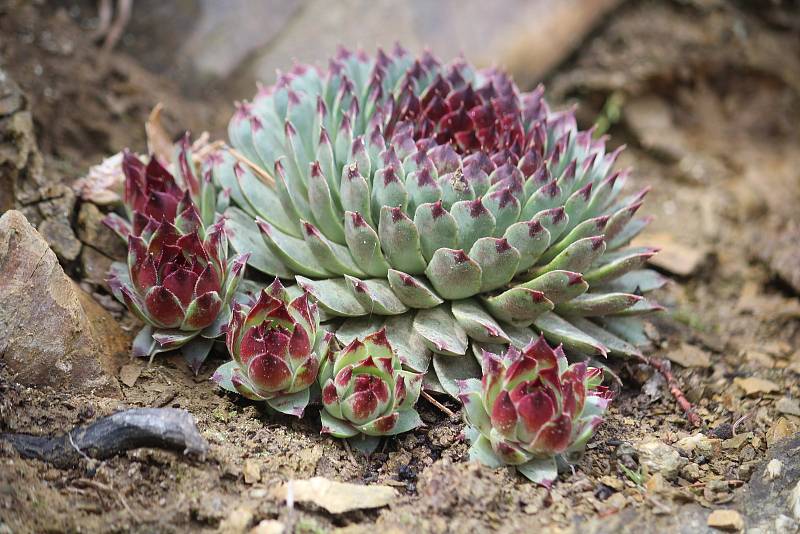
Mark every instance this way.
x=441 y=202
x=276 y=344
x=366 y=391
x=530 y=408
x=178 y=278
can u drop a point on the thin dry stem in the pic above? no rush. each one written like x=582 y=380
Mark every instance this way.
x=447 y=411
x=261 y=173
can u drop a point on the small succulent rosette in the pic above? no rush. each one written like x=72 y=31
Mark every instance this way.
x=365 y=392
x=277 y=345
x=532 y=408
x=178 y=278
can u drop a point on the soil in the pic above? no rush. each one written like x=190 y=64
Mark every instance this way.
x=705 y=94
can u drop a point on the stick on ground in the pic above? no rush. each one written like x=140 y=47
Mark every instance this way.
x=164 y=428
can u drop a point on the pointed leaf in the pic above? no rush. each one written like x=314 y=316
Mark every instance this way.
x=334 y=296
x=441 y=332
x=413 y=292
x=453 y=274
x=558 y=330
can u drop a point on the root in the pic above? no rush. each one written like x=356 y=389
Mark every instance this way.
x=662 y=367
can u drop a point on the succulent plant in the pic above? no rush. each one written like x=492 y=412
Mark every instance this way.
x=441 y=202
x=531 y=408
x=365 y=391
x=276 y=344
x=178 y=279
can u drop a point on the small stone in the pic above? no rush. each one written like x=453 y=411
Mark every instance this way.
x=251 y=471
x=691 y=472
x=780 y=429
x=773 y=469
x=616 y=501
x=268 y=526
x=258 y=493
x=656 y=483
x=97 y=235
x=689 y=356
x=788 y=406
x=61 y=238
x=736 y=442
x=612 y=482
x=759 y=359
x=237 y=522
x=730 y=520
x=753 y=386
x=129 y=374
x=658 y=457
x=699 y=444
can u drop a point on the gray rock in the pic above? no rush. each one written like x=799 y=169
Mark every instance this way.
x=52 y=333
x=658 y=457
x=767 y=500
x=94 y=233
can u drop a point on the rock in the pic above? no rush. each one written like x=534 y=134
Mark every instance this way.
x=59 y=235
x=780 y=429
x=95 y=266
x=51 y=332
x=97 y=235
x=754 y=386
x=674 y=257
x=771 y=503
x=650 y=120
x=656 y=483
x=773 y=469
x=251 y=471
x=794 y=501
x=20 y=161
x=658 y=457
x=336 y=497
x=788 y=406
x=759 y=358
x=268 y=526
x=783 y=255
x=261 y=37
x=689 y=356
x=700 y=444
x=726 y=520
x=237 y=522
x=736 y=442
x=691 y=472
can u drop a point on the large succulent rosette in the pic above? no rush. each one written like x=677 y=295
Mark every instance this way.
x=531 y=408
x=441 y=202
x=276 y=344
x=178 y=278
x=365 y=391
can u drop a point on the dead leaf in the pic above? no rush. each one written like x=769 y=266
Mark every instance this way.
x=674 y=257
x=689 y=356
x=753 y=385
x=129 y=374
x=336 y=497
x=158 y=140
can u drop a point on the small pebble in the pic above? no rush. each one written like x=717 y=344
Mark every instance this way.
x=729 y=520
